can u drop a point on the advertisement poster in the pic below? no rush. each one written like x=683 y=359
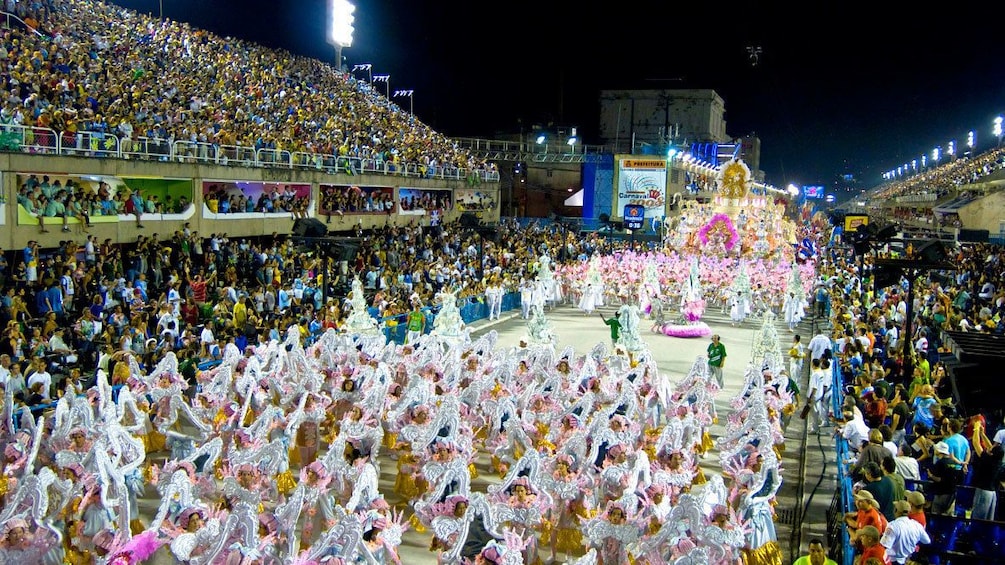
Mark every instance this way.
x=853 y=221
x=474 y=200
x=422 y=201
x=641 y=181
x=354 y=199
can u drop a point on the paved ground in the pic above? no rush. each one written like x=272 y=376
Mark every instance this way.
x=674 y=356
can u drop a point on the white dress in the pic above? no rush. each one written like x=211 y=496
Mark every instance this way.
x=587 y=302
x=793 y=311
x=737 y=309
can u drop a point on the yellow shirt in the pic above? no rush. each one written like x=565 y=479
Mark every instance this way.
x=240 y=314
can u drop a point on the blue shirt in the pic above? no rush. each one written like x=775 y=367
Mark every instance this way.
x=41 y=301
x=142 y=285
x=958 y=448
x=56 y=299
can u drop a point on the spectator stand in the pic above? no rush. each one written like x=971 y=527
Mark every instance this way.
x=956 y=538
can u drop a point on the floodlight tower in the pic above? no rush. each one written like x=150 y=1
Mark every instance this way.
x=340 y=28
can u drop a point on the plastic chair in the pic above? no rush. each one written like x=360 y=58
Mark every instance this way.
x=988 y=539
x=943 y=530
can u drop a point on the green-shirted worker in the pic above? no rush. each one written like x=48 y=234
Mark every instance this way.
x=415 y=323
x=615 y=326
x=816 y=555
x=716 y=357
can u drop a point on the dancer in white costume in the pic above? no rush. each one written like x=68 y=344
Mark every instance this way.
x=587 y=303
x=493 y=296
x=526 y=297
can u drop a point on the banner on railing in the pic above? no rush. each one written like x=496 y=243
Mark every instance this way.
x=355 y=199
x=222 y=198
x=424 y=201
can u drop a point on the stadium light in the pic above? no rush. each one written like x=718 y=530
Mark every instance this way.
x=971 y=139
x=410 y=95
x=997 y=129
x=936 y=153
x=951 y=148
x=386 y=79
x=541 y=139
x=572 y=140
x=793 y=190
x=365 y=67
x=340 y=28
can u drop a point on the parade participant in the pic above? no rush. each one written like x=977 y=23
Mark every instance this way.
x=716 y=359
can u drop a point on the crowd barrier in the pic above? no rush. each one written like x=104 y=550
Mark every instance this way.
x=474 y=308
x=40 y=409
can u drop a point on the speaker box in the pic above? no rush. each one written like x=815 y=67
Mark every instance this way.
x=309 y=227
x=974 y=236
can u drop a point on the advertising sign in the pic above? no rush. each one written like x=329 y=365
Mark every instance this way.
x=852 y=222
x=815 y=191
x=635 y=215
x=641 y=181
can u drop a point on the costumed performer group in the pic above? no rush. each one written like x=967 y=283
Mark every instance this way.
x=276 y=458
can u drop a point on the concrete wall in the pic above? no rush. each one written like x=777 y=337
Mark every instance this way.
x=986 y=213
x=14 y=236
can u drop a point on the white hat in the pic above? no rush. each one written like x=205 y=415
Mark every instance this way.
x=942 y=448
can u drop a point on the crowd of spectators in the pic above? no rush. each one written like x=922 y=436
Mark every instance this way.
x=340 y=200
x=99 y=303
x=912 y=447
x=220 y=200
x=944 y=179
x=53 y=202
x=100 y=69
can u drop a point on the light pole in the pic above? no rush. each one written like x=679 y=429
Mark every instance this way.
x=365 y=67
x=386 y=79
x=340 y=28
x=997 y=129
x=410 y=95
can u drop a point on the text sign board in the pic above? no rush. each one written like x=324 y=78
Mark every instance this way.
x=635 y=214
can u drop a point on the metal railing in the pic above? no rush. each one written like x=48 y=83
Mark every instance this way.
x=31 y=139
x=9 y=16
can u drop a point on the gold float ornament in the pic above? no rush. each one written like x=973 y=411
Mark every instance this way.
x=735 y=179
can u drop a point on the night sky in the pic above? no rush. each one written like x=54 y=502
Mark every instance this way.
x=855 y=88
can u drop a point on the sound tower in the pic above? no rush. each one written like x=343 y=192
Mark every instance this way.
x=309 y=227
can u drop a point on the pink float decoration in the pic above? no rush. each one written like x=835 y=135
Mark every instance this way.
x=700 y=329
x=723 y=224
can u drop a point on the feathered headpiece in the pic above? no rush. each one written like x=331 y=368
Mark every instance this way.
x=186 y=515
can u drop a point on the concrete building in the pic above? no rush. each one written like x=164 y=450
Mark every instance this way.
x=631 y=120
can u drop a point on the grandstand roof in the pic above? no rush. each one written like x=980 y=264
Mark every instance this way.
x=975 y=347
